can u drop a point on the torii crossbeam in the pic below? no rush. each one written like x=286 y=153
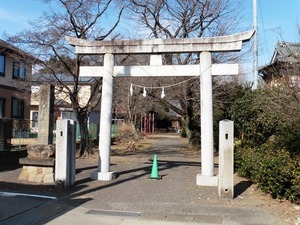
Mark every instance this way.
x=156 y=47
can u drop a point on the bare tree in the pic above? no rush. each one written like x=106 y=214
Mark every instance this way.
x=46 y=41
x=186 y=19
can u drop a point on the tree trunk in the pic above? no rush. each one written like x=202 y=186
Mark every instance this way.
x=130 y=118
x=194 y=139
x=192 y=130
x=85 y=149
x=192 y=121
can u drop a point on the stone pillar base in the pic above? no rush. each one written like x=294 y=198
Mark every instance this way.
x=202 y=180
x=96 y=175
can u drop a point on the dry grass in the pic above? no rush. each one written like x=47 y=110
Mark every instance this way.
x=125 y=134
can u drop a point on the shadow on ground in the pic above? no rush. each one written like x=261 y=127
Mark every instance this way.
x=241 y=187
x=9 y=160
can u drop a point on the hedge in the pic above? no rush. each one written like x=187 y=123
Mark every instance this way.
x=274 y=170
x=267 y=124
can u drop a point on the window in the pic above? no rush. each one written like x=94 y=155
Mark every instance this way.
x=19 y=70
x=2 y=65
x=2 y=107
x=34 y=119
x=17 y=106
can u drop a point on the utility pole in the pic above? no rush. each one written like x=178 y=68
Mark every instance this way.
x=255 y=47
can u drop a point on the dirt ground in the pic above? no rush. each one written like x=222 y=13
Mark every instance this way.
x=288 y=213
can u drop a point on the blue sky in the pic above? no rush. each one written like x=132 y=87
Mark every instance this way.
x=15 y=14
x=277 y=20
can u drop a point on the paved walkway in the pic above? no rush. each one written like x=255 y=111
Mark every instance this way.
x=40 y=210
x=134 y=199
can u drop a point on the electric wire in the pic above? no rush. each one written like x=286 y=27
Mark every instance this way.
x=263 y=27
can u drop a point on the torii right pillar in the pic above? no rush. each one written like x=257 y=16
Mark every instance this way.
x=207 y=176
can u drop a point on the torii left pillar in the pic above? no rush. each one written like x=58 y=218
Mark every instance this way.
x=207 y=176
x=103 y=172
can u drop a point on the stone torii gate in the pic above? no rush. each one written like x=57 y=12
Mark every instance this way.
x=156 y=47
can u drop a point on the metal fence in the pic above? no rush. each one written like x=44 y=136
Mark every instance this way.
x=29 y=129
x=13 y=130
x=22 y=128
x=15 y=133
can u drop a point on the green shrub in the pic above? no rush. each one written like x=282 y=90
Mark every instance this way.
x=183 y=133
x=267 y=125
x=288 y=137
x=274 y=170
x=274 y=173
x=295 y=188
x=245 y=162
x=254 y=122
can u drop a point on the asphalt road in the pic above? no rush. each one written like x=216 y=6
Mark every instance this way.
x=175 y=199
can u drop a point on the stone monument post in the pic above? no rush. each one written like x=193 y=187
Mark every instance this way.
x=226 y=159
x=46 y=114
x=65 y=153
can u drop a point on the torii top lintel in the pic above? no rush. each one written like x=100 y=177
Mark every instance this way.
x=156 y=46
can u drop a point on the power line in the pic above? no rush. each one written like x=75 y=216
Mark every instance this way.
x=263 y=27
x=255 y=50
